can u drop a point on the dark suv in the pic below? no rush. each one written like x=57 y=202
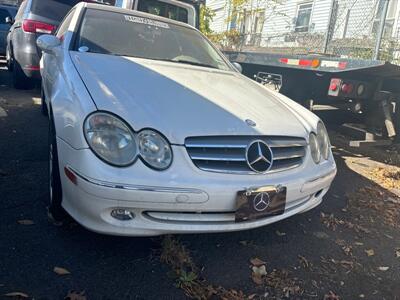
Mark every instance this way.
x=34 y=17
x=6 y=11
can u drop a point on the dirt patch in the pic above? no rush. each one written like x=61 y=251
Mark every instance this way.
x=188 y=276
x=376 y=205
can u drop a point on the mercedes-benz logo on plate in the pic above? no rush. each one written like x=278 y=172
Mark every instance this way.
x=259 y=156
x=261 y=201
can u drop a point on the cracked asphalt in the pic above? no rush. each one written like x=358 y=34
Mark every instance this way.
x=313 y=249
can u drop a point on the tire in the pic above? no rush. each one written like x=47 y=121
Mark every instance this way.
x=43 y=103
x=20 y=80
x=9 y=59
x=396 y=121
x=55 y=211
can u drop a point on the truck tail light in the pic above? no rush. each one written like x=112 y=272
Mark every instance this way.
x=37 y=27
x=334 y=87
x=347 y=88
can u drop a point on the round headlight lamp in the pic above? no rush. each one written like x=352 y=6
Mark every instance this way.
x=323 y=140
x=314 y=147
x=154 y=149
x=110 y=139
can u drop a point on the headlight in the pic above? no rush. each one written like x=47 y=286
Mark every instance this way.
x=323 y=140
x=110 y=139
x=154 y=149
x=315 y=150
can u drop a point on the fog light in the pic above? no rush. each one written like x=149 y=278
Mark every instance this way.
x=122 y=214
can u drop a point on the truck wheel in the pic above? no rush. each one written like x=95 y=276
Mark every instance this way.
x=20 y=80
x=55 y=211
x=396 y=121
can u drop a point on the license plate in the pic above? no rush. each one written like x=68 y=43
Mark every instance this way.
x=260 y=203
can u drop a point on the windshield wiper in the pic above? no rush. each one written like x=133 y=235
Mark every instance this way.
x=194 y=63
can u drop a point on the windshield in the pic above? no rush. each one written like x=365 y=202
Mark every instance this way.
x=135 y=36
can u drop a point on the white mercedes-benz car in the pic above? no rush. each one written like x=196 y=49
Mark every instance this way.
x=152 y=131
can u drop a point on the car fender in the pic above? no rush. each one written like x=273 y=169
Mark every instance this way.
x=69 y=99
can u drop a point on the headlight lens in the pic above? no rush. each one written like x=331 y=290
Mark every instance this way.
x=315 y=149
x=323 y=140
x=154 y=149
x=110 y=139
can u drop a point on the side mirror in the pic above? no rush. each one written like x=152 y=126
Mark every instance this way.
x=47 y=43
x=237 y=66
x=9 y=20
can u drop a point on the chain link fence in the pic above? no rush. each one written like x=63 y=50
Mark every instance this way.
x=345 y=28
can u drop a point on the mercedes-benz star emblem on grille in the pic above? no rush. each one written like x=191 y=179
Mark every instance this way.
x=259 y=156
x=261 y=201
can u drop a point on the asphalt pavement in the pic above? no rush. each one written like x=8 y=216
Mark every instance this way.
x=344 y=249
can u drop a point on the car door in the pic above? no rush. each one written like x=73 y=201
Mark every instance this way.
x=4 y=28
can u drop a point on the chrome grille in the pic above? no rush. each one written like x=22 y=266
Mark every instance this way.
x=227 y=154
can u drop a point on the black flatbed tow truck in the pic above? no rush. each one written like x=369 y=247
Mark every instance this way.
x=368 y=88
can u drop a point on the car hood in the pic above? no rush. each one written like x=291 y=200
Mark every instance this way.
x=182 y=100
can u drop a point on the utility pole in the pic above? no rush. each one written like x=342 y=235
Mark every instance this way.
x=381 y=28
x=329 y=29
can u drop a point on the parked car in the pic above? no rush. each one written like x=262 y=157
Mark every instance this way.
x=7 y=12
x=34 y=18
x=152 y=131
x=183 y=11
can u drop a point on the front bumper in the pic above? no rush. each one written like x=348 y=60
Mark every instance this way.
x=182 y=199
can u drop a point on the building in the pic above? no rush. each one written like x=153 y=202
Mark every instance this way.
x=307 y=23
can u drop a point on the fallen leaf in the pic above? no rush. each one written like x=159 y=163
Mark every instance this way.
x=397 y=253
x=388 y=236
x=74 y=295
x=383 y=269
x=257 y=279
x=17 y=294
x=304 y=261
x=331 y=296
x=257 y=262
x=61 y=271
x=361 y=296
x=370 y=252
x=260 y=271
x=359 y=244
x=244 y=243
x=26 y=222
x=278 y=233
x=258 y=274
x=321 y=235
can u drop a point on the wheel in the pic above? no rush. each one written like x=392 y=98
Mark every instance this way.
x=43 y=103
x=20 y=80
x=9 y=59
x=55 y=210
x=396 y=121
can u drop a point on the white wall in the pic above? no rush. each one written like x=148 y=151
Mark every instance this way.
x=279 y=18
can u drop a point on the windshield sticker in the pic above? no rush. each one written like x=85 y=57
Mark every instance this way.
x=146 y=21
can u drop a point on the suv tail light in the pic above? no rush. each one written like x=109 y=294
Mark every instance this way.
x=37 y=27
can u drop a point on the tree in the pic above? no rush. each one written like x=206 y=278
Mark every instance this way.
x=206 y=17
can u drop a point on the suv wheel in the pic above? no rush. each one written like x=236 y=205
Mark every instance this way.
x=9 y=59
x=55 y=211
x=20 y=80
x=43 y=103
